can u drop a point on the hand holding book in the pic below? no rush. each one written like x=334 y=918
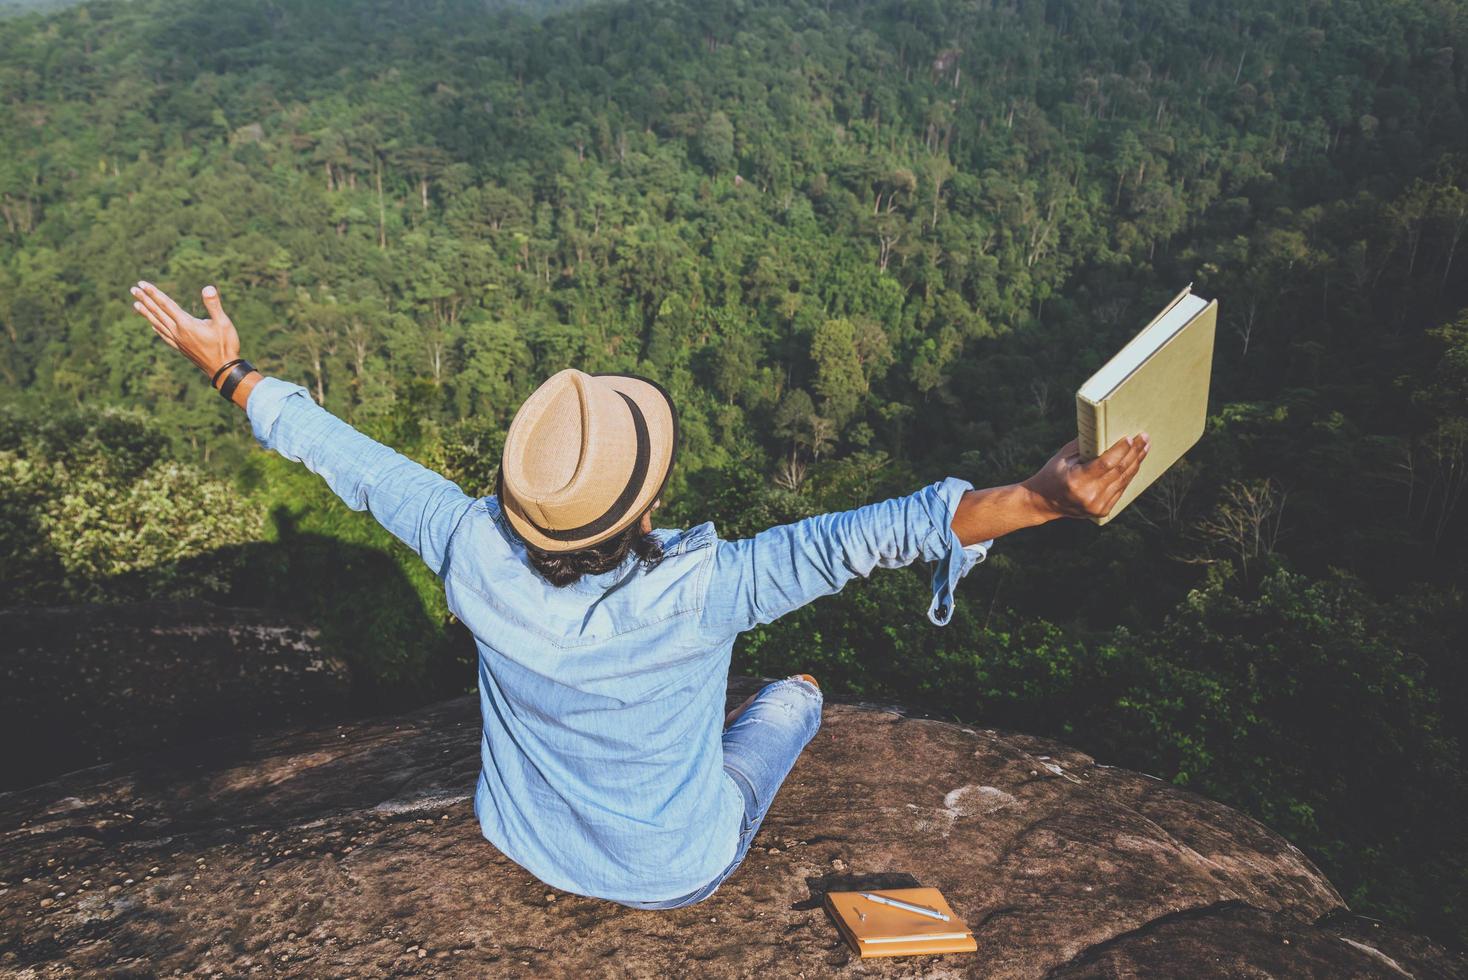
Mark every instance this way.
x=1066 y=486
x=1070 y=486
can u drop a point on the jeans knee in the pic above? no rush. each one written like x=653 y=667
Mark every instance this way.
x=814 y=702
x=805 y=685
x=807 y=707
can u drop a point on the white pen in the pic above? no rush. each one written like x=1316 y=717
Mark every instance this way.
x=897 y=904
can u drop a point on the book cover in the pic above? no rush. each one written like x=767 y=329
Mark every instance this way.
x=1158 y=384
x=872 y=929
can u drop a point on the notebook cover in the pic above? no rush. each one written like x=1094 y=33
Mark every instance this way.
x=1166 y=396
x=885 y=921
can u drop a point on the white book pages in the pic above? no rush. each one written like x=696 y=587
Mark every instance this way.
x=1143 y=346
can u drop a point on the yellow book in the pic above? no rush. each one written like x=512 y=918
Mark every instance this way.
x=874 y=929
x=1158 y=384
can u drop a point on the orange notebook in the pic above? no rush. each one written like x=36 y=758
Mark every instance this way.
x=874 y=929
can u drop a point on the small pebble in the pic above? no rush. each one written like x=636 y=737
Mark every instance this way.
x=549 y=897
x=839 y=864
x=46 y=903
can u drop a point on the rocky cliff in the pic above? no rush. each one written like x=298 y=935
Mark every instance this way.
x=353 y=850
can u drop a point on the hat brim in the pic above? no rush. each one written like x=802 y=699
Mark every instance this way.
x=662 y=430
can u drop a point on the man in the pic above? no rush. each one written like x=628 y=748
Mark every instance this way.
x=604 y=645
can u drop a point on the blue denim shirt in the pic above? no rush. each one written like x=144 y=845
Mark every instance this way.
x=603 y=701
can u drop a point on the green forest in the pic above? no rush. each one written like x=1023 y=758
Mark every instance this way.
x=866 y=245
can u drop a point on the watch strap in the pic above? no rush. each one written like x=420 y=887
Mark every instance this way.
x=214 y=381
x=232 y=380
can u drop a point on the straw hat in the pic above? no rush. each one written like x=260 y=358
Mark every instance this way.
x=585 y=456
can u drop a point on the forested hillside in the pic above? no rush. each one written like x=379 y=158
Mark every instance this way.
x=10 y=8
x=865 y=245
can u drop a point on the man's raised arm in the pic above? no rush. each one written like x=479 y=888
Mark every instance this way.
x=418 y=506
x=757 y=580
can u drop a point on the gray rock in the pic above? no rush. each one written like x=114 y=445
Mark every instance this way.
x=354 y=850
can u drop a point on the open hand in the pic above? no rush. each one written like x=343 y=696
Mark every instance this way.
x=208 y=343
x=1070 y=487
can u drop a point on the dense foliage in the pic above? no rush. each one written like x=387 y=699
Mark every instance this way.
x=866 y=245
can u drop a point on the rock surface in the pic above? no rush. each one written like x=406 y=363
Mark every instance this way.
x=354 y=851
x=83 y=684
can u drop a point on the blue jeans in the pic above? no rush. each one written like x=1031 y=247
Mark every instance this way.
x=760 y=749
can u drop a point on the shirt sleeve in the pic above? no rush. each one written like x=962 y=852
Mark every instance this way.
x=419 y=507
x=757 y=580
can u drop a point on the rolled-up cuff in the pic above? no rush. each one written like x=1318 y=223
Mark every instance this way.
x=265 y=405
x=953 y=558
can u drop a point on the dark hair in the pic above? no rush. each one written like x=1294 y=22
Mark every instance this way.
x=565 y=567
